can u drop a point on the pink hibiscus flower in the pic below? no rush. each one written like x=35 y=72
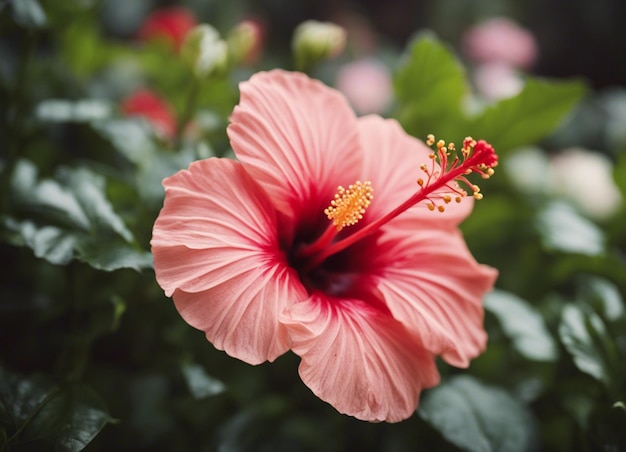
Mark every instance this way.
x=366 y=289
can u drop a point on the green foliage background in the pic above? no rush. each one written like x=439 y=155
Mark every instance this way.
x=92 y=355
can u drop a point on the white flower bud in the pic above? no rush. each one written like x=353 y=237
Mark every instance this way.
x=314 y=41
x=204 y=51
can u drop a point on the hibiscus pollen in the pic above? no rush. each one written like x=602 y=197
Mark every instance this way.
x=349 y=204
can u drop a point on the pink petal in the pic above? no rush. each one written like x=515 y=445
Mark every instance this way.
x=392 y=160
x=434 y=287
x=297 y=138
x=215 y=247
x=359 y=359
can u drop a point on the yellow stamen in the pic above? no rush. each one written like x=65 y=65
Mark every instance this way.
x=349 y=204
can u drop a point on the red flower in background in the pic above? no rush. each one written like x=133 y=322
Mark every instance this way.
x=148 y=105
x=170 y=24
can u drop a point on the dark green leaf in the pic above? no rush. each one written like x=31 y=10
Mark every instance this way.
x=47 y=198
x=563 y=229
x=84 y=224
x=430 y=86
x=48 y=417
x=47 y=242
x=523 y=324
x=200 y=383
x=478 y=418
x=112 y=256
x=531 y=115
x=132 y=137
x=604 y=295
x=586 y=338
x=29 y=13
x=88 y=189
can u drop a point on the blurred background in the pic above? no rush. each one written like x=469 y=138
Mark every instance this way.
x=99 y=103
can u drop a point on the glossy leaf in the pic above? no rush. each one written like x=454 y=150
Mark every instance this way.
x=563 y=229
x=29 y=13
x=586 y=338
x=523 y=325
x=478 y=418
x=70 y=217
x=604 y=295
x=85 y=110
x=531 y=115
x=47 y=417
x=430 y=86
x=200 y=384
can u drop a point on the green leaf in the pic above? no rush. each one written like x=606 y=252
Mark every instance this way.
x=430 y=86
x=531 y=115
x=200 y=383
x=562 y=229
x=85 y=110
x=132 y=137
x=29 y=13
x=523 y=325
x=478 y=418
x=47 y=417
x=586 y=338
x=47 y=198
x=603 y=295
x=70 y=218
x=88 y=189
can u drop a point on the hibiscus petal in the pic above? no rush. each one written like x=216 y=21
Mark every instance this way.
x=358 y=358
x=215 y=247
x=297 y=138
x=392 y=160
x=431 y=284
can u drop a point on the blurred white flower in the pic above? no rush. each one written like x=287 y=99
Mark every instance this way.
x=585 y=178
x=500 y=40
x=367 y=85
x=528 y=169
x=204 y=51
x=582 y=177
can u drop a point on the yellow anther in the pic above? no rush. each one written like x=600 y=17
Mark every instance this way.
x=478 y=196
x=447 y=199
x=457 y=199
x=441 y=144
x=430 y=139
x=441 y=208
x=420 y=182
x=451 y=147
x=349 y=204
x=431 y=206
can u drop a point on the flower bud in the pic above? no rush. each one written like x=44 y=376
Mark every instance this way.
x=244 y=42
x=314 y=41
x=204 y=51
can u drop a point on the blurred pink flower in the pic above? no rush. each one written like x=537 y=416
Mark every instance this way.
x=367 y=85
x=146 y=104
x=500 y=40
x=169 y=24
x=253 y=254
